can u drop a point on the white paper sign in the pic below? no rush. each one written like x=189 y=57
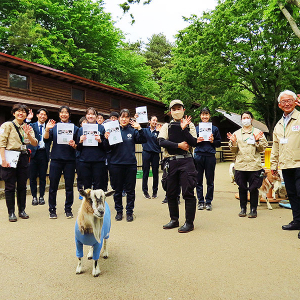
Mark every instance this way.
x=113 y=128
x=90 y=130
x=142 y=114
x=12 y=157
x=65 y=132
x=205 y=130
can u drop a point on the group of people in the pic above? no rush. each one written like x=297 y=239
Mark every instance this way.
x=187 y=156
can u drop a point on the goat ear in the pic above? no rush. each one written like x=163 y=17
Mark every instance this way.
x=82 y=192
x=109 y=193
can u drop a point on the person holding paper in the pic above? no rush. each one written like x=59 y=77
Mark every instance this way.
x=178 y=139
x=150 y=155
x=39 y=158
x=123 y=164
x=92 y=158
x=247 y=143
x=13 y=137
x=205 y=159
x=285 y=152
x=63 y=136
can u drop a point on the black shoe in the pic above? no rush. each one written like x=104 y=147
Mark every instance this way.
x=243 y=212
x=187 y=227
x=171 y=224
x=165 y=200
x=119 y=216
x=35 y=201
x=53 y=215
x=201 y=206
x=154 y=196
x=23 y=215
x=69 y=215
x=12 y=217
x=147 y=196
x=129 y=217
x=291 y=226
x=253 y=213
x=41 y=201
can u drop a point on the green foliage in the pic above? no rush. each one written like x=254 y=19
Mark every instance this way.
x=229 y=51
x=74 y=36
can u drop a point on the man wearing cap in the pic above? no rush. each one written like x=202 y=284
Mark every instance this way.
x=177 y=138
x=205 y=160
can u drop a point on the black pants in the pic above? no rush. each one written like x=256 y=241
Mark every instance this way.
x=292 y=185
x=205 y=164
x=57 y=167
x=13 y=176
x=94 y=173
x=124 y=175
x=182 y=172
x=248 y=180
x=79 y=176
x=38 y=168
x=153 y=159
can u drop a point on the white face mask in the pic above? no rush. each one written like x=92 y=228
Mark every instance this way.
x=177 y=114
x=246 y=122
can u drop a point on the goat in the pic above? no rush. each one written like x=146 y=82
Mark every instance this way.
x=92 y=227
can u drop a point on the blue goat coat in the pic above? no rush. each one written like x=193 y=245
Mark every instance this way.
x=89 y=239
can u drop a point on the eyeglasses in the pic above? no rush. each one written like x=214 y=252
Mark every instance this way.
x=283 y=102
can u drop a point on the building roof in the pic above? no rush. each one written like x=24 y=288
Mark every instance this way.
x=12 y=61
x=236 y=119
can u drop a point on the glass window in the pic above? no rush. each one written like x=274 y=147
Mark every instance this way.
x=115 y=103
x=18 y=81
x=78 y=94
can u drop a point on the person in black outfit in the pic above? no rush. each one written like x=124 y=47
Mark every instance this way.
x=205 y=160
x=13 y=137
x=177 y=139
x=92 y=158
x=150 y=155
x=123 y=164
x=62 y=161
x=39 y=158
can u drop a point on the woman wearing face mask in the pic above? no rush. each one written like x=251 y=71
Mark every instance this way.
x=92 y=158
x=247 y=143
x=62 y=161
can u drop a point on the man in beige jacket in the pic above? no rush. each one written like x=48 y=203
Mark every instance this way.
x=286 y=152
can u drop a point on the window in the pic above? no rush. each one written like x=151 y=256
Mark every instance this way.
x=115 y=103
x=78 y=94
x=18 y=81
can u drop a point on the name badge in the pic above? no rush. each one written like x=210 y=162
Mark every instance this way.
x=283 y=141
x=251 y=140
x=296 y=128
x=26 y=141
x=23 y=147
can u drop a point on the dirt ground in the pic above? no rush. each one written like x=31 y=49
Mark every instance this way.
x=225 y=257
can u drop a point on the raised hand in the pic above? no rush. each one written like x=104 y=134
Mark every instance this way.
x=258 y=136
x=135 y=124
x=50 y=124
x=27 y=129
x=30 y=115
x=231 y=137
x=185 y=122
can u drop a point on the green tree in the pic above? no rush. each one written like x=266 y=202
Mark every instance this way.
x=231 y=50
x=74 y=36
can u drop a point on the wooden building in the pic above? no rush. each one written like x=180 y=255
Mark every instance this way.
x=39 y=86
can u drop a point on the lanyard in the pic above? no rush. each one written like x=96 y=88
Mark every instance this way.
x=247 y=132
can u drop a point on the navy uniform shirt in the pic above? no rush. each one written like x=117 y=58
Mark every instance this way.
x=152 y=143
x=91 y=153
x=124 y=153
x=207 y=148
x=61 y=151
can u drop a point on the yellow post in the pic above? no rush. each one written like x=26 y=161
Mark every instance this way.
x=267 y=158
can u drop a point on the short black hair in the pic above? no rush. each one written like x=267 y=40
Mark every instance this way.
x=152 y=117
x=247 y=113
x=93 y=110
x=125 y=111
x=20 y=106
x=205 y=110
x=66 y=107
x=81 y=120
x=114 y=114
x=100 y=114
x=43 y=109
